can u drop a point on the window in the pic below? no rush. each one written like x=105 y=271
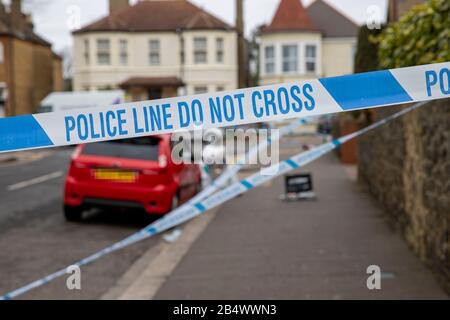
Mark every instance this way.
x=200 y=50
x=219 y=50
x=145 y=148
x=220 y=88
x=103 y=55
x=290 y=58
x=200 y=89
x=154 y=52
x=2 y=53
x=269 y=56
x=310 y=58
x=86 y=51
x=123 y=52
x=105 y=87
x=182 y=54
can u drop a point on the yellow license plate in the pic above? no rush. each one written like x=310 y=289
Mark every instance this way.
x=115 y=175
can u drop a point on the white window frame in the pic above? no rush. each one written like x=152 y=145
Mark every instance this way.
x=86 y=51
x=311 y=59
x=220 y=50
x=182 y=51
x=271 y=60
x=199 y=89
x=2 y=53
x=296 y=57
x=154 y=52
x=123 y=52
x=200 y=51
x=104 y=52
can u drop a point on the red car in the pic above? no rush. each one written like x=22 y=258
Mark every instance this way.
x=134 y=173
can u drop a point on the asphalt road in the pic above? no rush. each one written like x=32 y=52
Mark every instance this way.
x=35 y=239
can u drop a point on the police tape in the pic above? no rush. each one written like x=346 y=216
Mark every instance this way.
x=189 y=212
x=266 y=103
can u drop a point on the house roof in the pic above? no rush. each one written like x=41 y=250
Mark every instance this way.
x=152 y=82
x=157 y=15
x=331 y=22
x=290 y=16
x=26 y=33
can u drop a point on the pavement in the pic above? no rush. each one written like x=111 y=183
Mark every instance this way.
x=259 y=247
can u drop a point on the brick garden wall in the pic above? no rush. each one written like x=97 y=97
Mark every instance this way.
x=406 y=166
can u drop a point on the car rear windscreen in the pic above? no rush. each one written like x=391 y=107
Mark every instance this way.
x=145 y=148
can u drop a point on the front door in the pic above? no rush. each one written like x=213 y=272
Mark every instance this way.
x=154 y=93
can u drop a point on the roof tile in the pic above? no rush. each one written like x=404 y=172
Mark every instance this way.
x=158 y=15
x=290 y=16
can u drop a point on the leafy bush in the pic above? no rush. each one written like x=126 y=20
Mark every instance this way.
x=421 y=36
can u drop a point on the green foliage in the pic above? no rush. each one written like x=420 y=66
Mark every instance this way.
x=421 y=36
x=366 y=58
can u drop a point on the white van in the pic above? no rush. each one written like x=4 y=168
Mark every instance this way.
x=62 y=101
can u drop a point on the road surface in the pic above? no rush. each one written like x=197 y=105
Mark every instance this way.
x=36 y=240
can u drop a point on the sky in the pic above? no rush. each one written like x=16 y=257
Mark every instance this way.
x=54 y=19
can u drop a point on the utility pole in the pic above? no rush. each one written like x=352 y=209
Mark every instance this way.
x=393 y=10
x=242 y=59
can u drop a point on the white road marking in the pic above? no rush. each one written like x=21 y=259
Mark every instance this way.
x=146 y=276
x=34 y=181
x=172 y=236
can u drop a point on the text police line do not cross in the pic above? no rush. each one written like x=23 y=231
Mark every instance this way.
x=226 y=109
x=223 y=109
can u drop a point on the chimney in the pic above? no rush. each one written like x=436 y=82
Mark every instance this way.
x=29 y=21
x=117 y=5
x=16 y=15
x=242 y=61
x=3 y=15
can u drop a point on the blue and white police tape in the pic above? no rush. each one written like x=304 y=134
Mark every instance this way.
x=191 y=211
x=229 y=108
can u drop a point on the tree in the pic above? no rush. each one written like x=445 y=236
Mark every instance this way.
x=366 y=58
x=421 y=36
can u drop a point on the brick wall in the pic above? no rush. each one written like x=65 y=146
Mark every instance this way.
x=35 y=74
x=22 y=96
x=406 y=166
x=58 y=81
x=43 y=74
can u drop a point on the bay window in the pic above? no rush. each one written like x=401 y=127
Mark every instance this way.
x=154 y=54
x=103 y=52
x=200 y=52
x=310 y=58
x=269 y=59
x=290 y=58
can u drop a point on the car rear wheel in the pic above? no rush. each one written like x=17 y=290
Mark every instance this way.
x=73 y=214
x=175 y=202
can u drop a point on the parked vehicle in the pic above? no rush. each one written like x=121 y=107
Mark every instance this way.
x=62 y=101
x=130 y=173
x=325 y=124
